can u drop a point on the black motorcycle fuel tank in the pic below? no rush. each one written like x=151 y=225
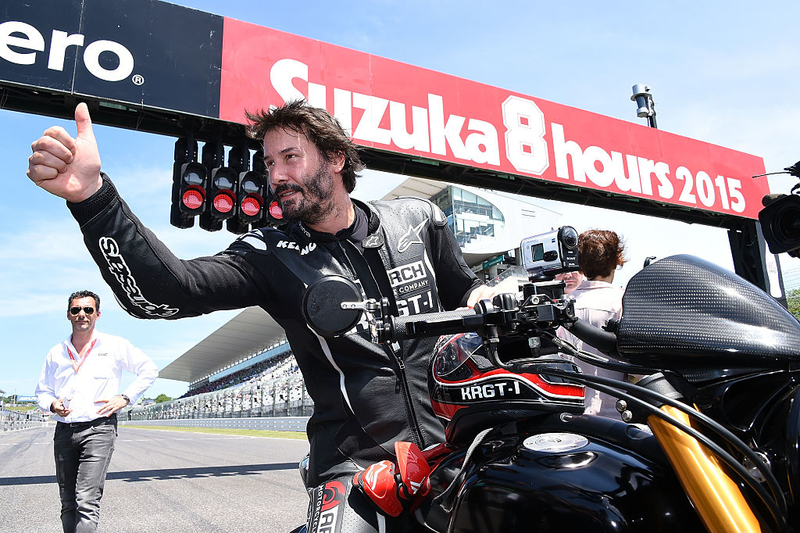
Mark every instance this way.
x=573 y=473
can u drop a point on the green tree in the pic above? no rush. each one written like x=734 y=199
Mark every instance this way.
x=793 y=299
x=161 y=398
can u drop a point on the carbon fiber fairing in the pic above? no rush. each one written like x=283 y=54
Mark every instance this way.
x=685 y=314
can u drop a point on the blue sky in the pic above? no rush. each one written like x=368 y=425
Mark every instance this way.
x=721 y=72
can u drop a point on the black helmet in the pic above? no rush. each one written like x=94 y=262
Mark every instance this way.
x=462 y=380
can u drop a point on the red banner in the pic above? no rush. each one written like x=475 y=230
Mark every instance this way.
x=397 y=107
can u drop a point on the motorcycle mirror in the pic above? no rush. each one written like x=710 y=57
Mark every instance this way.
x=322 y=305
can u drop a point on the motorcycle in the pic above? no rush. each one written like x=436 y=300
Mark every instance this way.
x=708 y=438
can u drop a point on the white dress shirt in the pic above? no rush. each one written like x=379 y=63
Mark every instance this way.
x=97 y=378
x=596 y=302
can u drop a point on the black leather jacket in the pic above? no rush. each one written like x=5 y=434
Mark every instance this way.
x=366 y=396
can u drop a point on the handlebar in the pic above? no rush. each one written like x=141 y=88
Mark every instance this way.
x=432 y=324
x=603 y=340
x=531 y=318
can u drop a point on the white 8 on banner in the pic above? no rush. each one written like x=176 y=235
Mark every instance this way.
x=526 y=148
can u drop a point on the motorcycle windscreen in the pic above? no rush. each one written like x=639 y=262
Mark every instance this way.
x=686 y=314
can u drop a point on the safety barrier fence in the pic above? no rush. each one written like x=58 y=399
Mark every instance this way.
x=12 y=420
x=281 y=423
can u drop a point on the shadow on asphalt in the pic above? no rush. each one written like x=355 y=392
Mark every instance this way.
x=163 y=474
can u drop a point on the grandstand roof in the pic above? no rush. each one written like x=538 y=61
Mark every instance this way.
x=419 y=187
x=248 y=333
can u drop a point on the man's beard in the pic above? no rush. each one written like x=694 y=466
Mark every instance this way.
x=315 y=201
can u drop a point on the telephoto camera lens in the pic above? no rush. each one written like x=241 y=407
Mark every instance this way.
x=780 y=223
x=789 y=223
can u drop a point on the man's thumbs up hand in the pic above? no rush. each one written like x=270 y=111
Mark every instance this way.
x=64 y=166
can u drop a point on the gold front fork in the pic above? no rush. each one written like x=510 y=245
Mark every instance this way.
x=718 y=500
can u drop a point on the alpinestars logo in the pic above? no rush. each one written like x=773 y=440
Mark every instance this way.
x=120 y=270
x=411 y=237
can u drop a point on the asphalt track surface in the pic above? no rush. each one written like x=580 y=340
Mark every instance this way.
x=162 y=481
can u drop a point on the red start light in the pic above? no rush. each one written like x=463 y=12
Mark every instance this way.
x=251 y=206
x=192 y=198
x=223 y=203
x=275 y=211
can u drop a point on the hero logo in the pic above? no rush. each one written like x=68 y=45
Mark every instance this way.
x=20 y=42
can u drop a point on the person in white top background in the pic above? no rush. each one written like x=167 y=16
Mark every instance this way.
x=80 y=383
x=572 y=279
x=600 y=254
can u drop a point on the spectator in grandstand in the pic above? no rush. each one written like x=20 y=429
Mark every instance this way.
x=600 y=253
x=80 y=382
x=366 y=396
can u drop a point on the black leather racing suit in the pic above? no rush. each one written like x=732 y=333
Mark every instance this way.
x=366 y=396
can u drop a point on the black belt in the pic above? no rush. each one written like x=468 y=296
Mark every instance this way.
x=96 y=422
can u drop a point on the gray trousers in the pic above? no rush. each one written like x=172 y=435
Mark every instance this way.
x=83 y=453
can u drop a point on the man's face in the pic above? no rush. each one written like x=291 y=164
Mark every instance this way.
x=82 y=320
x=302 y=180
x=572 y=279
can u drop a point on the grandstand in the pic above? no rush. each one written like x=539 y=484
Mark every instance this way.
x=272 y=387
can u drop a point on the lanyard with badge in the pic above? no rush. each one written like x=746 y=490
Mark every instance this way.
x=75 y=364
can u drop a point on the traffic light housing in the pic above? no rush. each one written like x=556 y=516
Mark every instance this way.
x=252 y=193
x=256 y=207
x=222 y=193
x=218 y=193
x=274 y=215
x=193 y=189
x=188 y=184
x=238 y=162
x=213 y=157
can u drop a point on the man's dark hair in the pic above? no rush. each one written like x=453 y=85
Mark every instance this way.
x=318 y=126
x=84 y=294
x=600 y=252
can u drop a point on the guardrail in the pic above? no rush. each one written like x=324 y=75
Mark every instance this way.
x=11 y=422
x=278 y=423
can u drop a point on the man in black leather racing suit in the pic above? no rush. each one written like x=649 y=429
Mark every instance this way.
x=366 y=396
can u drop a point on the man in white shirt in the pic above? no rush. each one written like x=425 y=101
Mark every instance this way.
x=600 y=253
x=571 y=279
x=79 y=382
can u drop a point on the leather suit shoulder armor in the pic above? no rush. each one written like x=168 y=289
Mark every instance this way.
x=250 y=241
x=265 y=240
x=425 y=206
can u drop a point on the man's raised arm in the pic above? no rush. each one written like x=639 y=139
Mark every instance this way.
x=148 y=280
